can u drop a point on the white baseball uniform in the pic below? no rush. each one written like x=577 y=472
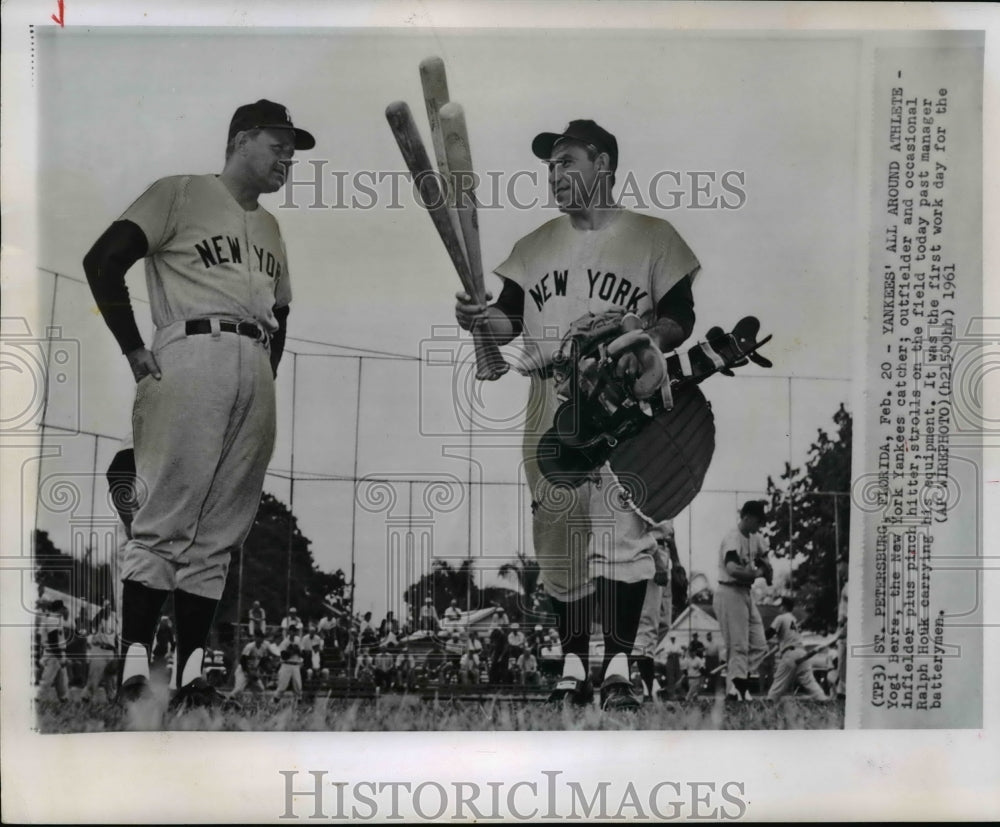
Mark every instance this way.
x=630 y=263
x=204 y=433
x=739 y=621
x=789 y=670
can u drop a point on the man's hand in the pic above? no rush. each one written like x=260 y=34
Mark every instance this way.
x=143 y=364
x=640 y=361
x=467 y=311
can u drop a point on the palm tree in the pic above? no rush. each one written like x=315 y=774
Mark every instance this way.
x=525 y=570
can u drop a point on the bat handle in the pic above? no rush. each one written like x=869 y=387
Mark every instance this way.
x=490 y=364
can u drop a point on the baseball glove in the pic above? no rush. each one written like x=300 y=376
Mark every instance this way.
x=616 y=385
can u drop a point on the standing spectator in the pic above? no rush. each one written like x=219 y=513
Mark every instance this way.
x=252 y=663
x=290 y=671
x=365 y=669
x=453 y=614
x=499 y=670
x=102 y=673
x=468 y=667
x=474 y=644
x=696 y=647
x=54 y=673
x=164 y=644
x=693 y=665
x=428 y=616
x=312 y=648
x=841 y=684
x=258 y=619
x=712 y=661
x=291 y=624
x=383 y=668
x=674 y=675
x=405 y=669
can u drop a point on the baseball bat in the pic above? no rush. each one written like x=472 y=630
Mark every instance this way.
x=459 y=159
x=411 y=146
x=435 y=85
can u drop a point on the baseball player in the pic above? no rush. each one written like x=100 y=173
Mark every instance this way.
x=791 y=668
x=250 y=666
x=657 y=609
x=742 y=559
x=204 y=411
x=594 y=553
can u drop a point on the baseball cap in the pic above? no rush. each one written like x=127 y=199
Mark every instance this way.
x=753 y=508
x=265 y=114
x=585 y=131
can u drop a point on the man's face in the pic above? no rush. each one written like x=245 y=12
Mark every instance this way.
x=752 y=523
x=268 y=158
x=573 y=177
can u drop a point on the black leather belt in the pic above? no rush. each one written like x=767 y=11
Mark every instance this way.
x=251 y=330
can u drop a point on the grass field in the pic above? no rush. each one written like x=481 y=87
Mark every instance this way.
x=403 y=713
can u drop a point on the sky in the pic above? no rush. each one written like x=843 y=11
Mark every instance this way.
x=374 y=278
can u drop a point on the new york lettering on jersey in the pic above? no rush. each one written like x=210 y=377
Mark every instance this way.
x=604 y=286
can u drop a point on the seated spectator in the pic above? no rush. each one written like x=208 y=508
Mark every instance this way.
x=366 y=631
x=527 y=667
x=291 y=624
x=428 y=616
x=389 y=626
x=515 y=640
x=383 y=668
x=474 y=644
x=453 y=614
x=258 y=619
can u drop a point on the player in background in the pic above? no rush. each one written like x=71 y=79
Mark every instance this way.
x=791 y=667
x=657 y=609
x=204 y=411
x=742 y=559
x=594 y=258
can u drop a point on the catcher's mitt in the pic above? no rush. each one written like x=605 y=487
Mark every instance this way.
x=654 y=427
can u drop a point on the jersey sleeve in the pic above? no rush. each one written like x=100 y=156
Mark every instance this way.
x=513 y=267
x=153 y=211
x=673 y=262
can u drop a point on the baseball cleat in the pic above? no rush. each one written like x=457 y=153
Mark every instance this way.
x=572 y=691
x=133 y=690
x=200 y=694
x=618 y=695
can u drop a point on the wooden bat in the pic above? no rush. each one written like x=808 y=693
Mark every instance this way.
x=411 y=146
x=459 y=158
x=435 y=86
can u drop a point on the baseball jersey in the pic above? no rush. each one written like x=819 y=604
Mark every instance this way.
x=253 y=654
x=630 y=263
x=206 y=255
x=746 y=548
x=786 y=630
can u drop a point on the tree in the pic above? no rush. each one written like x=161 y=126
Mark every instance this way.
x=81 y=578
x=811 y=525
x=444 y=583
x=272 y=574
x=525 y=570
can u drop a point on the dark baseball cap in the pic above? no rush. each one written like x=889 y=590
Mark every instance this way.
x=584 y=131
x=754 y=508
x=266 y=114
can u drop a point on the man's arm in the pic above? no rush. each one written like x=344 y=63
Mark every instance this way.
x=740 y=573
x=105 y=265
x=674 y=316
